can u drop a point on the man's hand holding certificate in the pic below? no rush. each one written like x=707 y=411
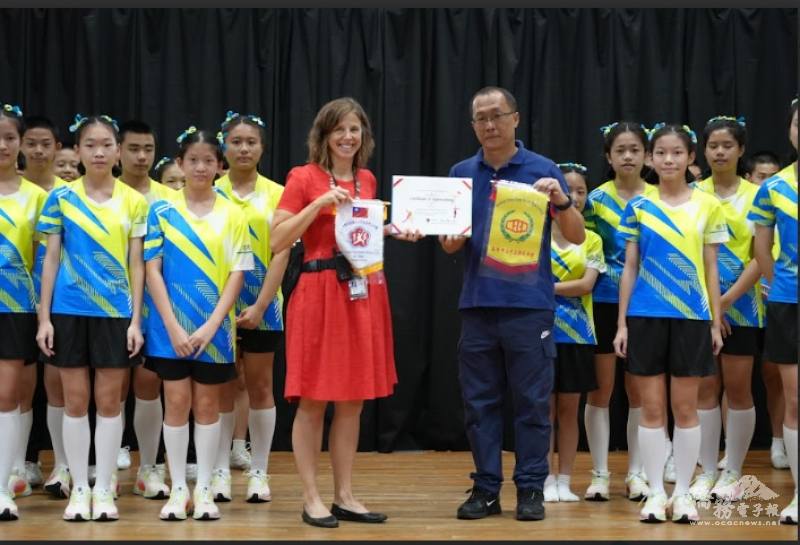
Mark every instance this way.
x=433 y=205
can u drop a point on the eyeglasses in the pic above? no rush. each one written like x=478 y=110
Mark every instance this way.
x=482 y=121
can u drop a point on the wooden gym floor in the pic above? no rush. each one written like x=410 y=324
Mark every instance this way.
x=420 y=492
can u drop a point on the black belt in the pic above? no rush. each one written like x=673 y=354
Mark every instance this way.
x=318 y=265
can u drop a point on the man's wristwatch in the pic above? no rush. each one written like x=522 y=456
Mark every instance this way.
x=565 y=206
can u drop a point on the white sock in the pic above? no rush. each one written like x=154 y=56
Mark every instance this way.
x=654 y=454
x=262 y=428
x=790 y=440
x=632 y=433
x=740 y=427
x=206 y=442
x=147 y=419
x=24 y=430
x=711 y=424
x=239 y=444
x=9 y=435
x=564 y=492
x=595 y=420
x=223 y=450
x=176 y=441
x=685 y=452
x=55 y=417
x=107 y=437
x=77 y=437
x=551 y=480
x=777 y=444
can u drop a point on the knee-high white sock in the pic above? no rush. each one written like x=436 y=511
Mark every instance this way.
x=223 y=450
x=262 y=427
x=711 y=426
x=176 y=441
x=122 y=415
x=77 y=437
x=55 y=417
x=597 y=431
x=739 y=432
x=685 y=450
x=9 y=435
x=107 y=436
x=206 y=442
x=790 y=440
x=654 y=454
x=24 y=430
x=632 y=433
x=147 y=419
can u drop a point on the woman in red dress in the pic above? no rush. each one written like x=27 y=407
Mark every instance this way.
x=338 y=348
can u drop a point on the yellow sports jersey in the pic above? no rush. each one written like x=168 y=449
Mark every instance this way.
x=258 y=207
x=574 y=318
x=736 y=254
x=19 y=213
x=671 y=277
x=198 y=255
x=603 y=213
x=775 y=204
x=93 y=278
x=158 y=192
x=42 y=248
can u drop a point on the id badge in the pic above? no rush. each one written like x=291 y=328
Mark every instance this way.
x=358 y=288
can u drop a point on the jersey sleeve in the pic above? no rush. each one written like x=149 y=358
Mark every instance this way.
x=589 y=215
x=154 y=239
x=294 y=197
x=629 y=223
x=51 y=219
x=763 y=210
x=138 y=217
x=242 y=252
x=594 y=253
x=716 y=231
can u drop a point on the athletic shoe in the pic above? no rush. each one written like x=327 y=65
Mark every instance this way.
x=481 y=503
x=702 y=485
x=789 y=513
x=58 y=482
x=33 y=473
x=221 y=484
x=683 y=508
x=204 y=506
x=18 y=485
x=240 y=457
x=778 y=458
x=530 y=504
x=598 y=488
x=669 y=470
x=124 y=457
x=179 y=505
x=8 y=509
x=636 y=487
x=162 y=470
x=257 y=486
x=655 y=508
x=80 y=505
x=191 y=473
x=103 y=507
x=550 y=489
x=727 y=487
x=722 y=464
x=150 y=483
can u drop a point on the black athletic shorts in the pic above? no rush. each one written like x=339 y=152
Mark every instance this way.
x=18 y=336
x=81 y=341
x=780 y=341
x=743 y=341
x=199 y=371
x=574 y=368
x=678 y=347
x=259 y=341
x=605 y=327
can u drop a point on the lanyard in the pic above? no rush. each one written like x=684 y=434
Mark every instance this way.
x=332 y=183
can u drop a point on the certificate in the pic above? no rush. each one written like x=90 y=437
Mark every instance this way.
x=434 y=205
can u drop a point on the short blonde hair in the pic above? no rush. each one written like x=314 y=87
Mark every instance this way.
x=328 y=117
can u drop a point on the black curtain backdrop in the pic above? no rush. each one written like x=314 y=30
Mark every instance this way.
x=414 y=70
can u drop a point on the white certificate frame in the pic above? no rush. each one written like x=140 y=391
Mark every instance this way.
x=436 y=205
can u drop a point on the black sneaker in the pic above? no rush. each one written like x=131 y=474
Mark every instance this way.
x=481 y=503
x=530 y=504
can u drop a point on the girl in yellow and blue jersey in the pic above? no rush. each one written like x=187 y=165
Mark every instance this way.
x=575 y=270
x=21 y=203
x=775 y=214
x=259 y=308
x=625 y=143
x=90 y=311
x=669 y=312
x=725 y=140
x=197 y=249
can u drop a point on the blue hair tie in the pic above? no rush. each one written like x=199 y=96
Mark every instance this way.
x=110 y=120
x=651 y=132
x=577 y=166
x=161 y=162
x=12 y=109
x=740 y=120
x=690 y=132
x=605 y=129
x=185 y=134
x=79 y=120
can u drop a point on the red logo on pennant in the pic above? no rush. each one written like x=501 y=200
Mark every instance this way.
x=359 y=237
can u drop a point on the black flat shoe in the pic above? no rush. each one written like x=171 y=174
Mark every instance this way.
x=345 y=514
x=322 y=522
